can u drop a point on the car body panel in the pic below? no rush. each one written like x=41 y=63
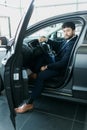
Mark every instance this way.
x=80 y=73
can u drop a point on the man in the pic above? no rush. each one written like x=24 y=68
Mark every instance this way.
x=63 y=51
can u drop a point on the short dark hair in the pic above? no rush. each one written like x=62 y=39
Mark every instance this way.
x=69 y=24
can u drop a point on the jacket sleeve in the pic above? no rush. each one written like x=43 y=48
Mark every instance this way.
x=62 y=63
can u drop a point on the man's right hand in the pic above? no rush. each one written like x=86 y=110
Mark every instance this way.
x=43 y=68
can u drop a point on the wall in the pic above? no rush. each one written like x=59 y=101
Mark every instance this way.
x=14 y=9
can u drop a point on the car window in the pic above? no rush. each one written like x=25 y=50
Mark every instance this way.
x=53 y=32
x=47 y=32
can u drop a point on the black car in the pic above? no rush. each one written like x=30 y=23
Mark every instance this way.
x=72 y=85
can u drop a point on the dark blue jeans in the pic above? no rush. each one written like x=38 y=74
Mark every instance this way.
x=39 y=84
x=42 y=75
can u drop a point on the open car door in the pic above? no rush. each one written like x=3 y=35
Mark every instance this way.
x=11 y=65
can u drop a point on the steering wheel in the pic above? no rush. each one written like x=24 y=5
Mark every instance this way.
x=33 y=43
x=39 y=48
x=45 y=47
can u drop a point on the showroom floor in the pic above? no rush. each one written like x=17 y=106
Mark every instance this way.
x=49 y=114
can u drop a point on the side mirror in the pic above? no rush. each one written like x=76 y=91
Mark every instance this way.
x=3 y=41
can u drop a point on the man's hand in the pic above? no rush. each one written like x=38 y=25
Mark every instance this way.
x=42 y=39
x=43 y=68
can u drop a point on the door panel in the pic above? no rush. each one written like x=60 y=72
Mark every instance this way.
x=80 y=73
x=13 y=64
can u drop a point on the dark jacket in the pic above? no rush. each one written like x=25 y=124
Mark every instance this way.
x=63 y=53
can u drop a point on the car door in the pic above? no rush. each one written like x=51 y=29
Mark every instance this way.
x=80 y=70
x=12 y=64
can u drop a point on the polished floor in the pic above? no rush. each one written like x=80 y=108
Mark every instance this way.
x=49 y=114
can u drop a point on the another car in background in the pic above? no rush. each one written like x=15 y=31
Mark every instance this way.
x=3 y=49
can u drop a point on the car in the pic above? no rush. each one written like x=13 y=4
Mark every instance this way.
x=71 y=86
x=3 y=45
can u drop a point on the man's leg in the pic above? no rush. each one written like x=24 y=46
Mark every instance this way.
x=39 y=84
x=43 y=60
x=36 y=91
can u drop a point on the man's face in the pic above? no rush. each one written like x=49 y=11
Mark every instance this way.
x=68 y=32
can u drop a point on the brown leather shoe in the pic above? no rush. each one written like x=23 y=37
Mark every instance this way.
x=24 y=108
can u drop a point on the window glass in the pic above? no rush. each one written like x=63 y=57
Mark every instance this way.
x=53 y=32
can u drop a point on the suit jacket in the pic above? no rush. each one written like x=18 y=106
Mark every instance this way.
x=63 y=53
